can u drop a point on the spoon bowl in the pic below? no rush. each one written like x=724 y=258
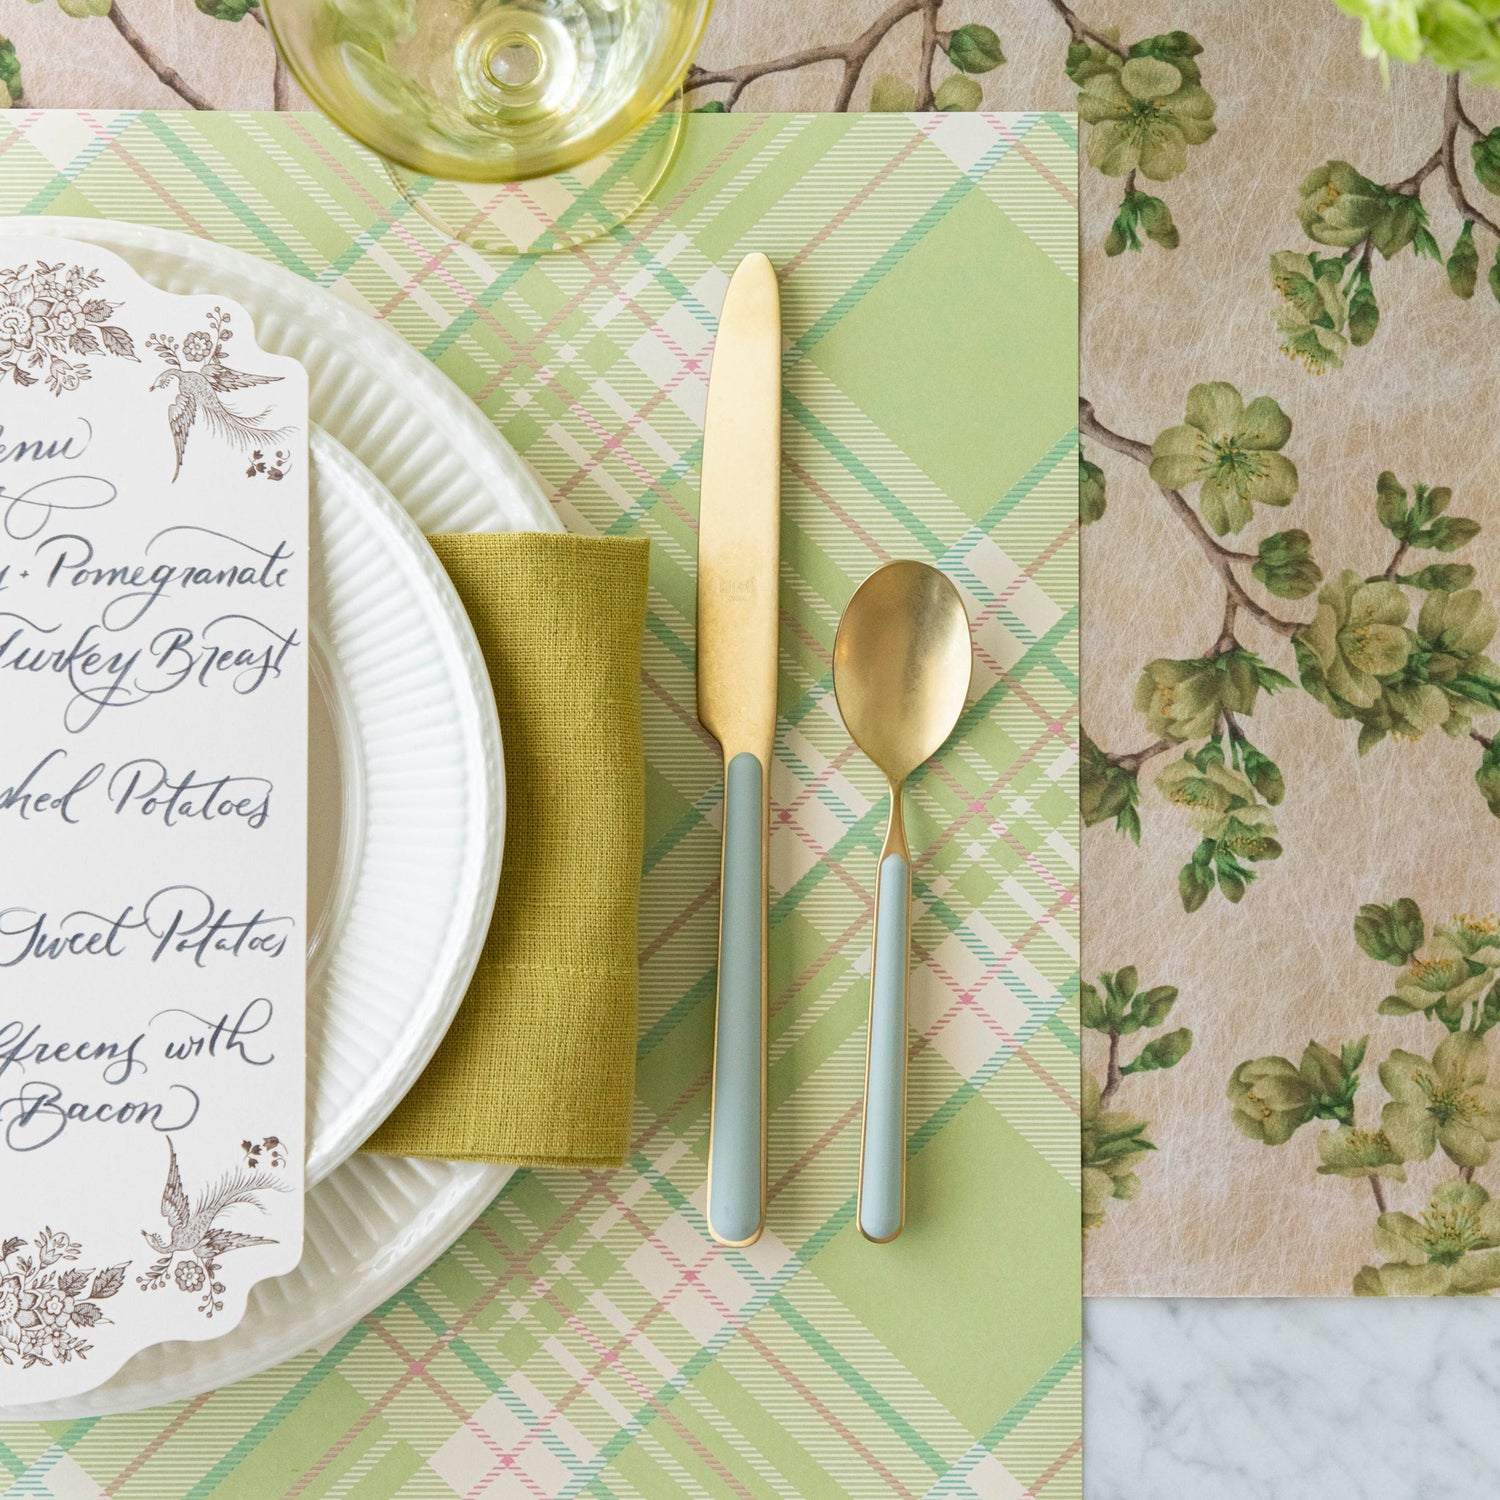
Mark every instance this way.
x=901 y=667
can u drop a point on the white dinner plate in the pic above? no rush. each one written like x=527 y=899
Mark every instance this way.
x=373 y=1222
x=405 y=805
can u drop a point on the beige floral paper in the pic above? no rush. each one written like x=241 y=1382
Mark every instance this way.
x=1218 y=1210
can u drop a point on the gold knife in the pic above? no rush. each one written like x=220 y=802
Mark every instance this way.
x=739 y=543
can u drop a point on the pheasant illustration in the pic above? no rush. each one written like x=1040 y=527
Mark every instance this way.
x=201 y=379
x=195 y=1239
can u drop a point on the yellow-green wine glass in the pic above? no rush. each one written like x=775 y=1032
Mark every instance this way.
x=513 y=125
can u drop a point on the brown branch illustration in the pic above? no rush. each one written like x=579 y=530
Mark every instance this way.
x=1417 y=178
x=1112 y=1074
x=165 y=74
x=1453 y=117
x=1137 y=758
x=851 y=55
x=1379 y=1192
x=929 y=54
x=1086 y=33
x=1463 y=116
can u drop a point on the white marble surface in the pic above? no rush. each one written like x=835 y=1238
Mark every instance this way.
x=1362 y=1399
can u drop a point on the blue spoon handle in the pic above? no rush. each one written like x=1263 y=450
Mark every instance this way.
x=737 y=1128
x=882 y=1159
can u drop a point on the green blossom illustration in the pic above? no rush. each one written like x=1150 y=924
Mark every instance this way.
x=1230 y=450
x=1447 y=1252
x=1339 y=206
x=1452 y=980
x=1400 y=650
x=1145 y=116
x=1357 y=638
x=1184 y=700
x=1327 y=302
x=1347 y=1152
x=1114 y=1144
x=1272 y=1097
x=1210 y=794
x=1284 y=565
x=1360 y=655
x=1443 y=987
x=1237 y=829
x=1313 y=312
x=1146 y=106
x=1445 y=1102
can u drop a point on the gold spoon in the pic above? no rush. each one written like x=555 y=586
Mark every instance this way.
x=901 y=666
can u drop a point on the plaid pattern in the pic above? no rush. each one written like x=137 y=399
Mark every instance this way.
x=584 y=1338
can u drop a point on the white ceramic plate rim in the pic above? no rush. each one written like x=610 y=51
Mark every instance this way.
x=477 y=864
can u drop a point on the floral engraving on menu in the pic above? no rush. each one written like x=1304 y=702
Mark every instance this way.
x=51 y=321
x=198 y=378
x=193 y=1248
x=44 y=1301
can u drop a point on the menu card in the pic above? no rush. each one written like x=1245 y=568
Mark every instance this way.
x=153 y=787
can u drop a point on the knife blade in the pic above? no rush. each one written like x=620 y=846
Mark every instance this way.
x=739 y=546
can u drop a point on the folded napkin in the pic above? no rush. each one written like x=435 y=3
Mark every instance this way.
x=538 y=1067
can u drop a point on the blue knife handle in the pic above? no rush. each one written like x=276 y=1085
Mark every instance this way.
x=737 y=1129
x=882 y=1159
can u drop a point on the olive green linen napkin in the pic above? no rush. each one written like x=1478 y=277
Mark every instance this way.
x=538 y=1067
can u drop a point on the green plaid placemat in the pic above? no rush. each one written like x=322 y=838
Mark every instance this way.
x=584 y=1338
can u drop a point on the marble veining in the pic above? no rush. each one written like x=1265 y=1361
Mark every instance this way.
x=1358 y=1399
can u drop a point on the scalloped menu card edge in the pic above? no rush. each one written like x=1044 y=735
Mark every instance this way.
x=153 y=809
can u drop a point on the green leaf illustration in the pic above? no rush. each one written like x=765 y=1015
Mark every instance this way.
x=1450 y=577
x=1164 y=1052
x=892 y=95
x=1463 y=263
x=227 y=10
x=1264 y=773
x=1390 y=934
x=1364 y=313
x=975 y=49
x=1284 y=565
x=1090 y=490
x=1487 y=777
x=1486 y=157
x=1107 y=792
x=1195 y=881
x=10 y=74
x=958 y=94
